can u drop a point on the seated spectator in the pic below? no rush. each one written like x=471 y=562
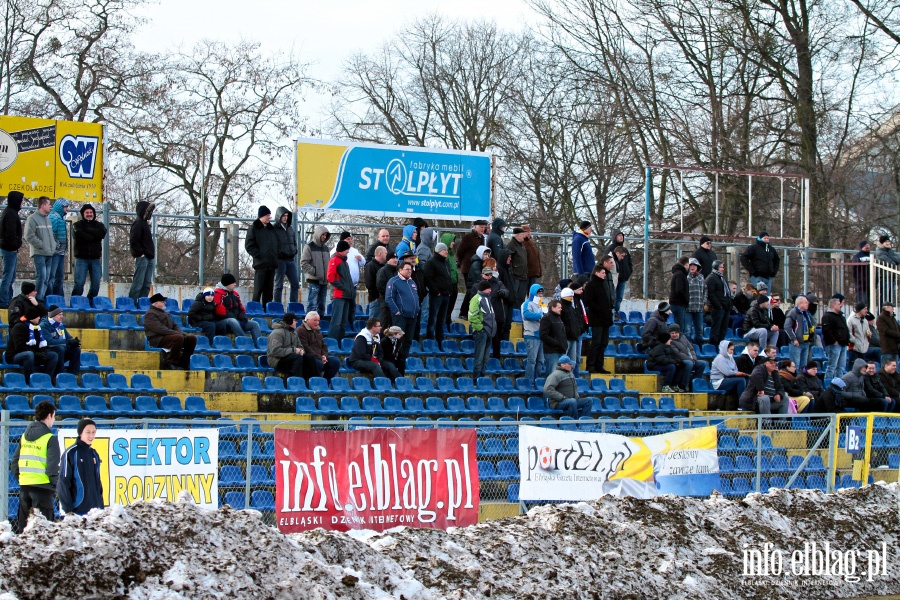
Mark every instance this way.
x=17 y=305
x=876 y=391
x=770 y=352
x=742 y=303
x=163 y=332
x=724 y=373
x=285 y=353
x=59 y=340
x=794 y=387
x=833 y=396
x=202 y=314
x=854 y=394
x=765 y=393
x=749 y=358
x=861 y=335
x=812 y=385
x=28 y=348
x=393 y=352
x=656 y=324
x=889 y=378
x=366 y=355
x=684 y=351
x=663 y=359
x=561 y=390
x=758 y=324
x=230 y=310
x=313 y=343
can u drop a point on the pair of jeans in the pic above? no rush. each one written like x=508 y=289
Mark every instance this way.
x=238 y=327
x=10 y=261
x=534 y=361
x=837 y=361
x=680 y=314
x=329 y=368
x=873 y=354
x=83 y=268
x=550 y=361
x=370 y=367
x=210 y=329
x=27 y=360
x=694 y=322
x=374 y=310
x=767 y=406
x=719 y=329
x=799 y=354
x=340 y=308
x=57 y=274
x=424 y=315
x=620 y=294
x=143 y=277
x=42 y=274
x=317 y=297
x=667 y=372
x=573 y=351
x=263 y=285
x=434 y=330
x=287 y=268
x=755 y=280
x=733 y=384
x=482 y=350
x=575 y=407
x=692 y=369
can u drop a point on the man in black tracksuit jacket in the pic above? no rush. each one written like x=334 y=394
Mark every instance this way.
x=143 y=249
x=88 y=234
x=10 y=242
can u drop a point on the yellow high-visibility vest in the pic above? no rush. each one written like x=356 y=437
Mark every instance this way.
x=33 y=460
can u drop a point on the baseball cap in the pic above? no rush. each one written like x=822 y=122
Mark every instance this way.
x=565 y=360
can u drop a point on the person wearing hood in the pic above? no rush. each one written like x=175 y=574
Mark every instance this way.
x=35 y=464
x=88 y=234
x=38 y=233
x=262 y=245
x=60 y=341
x=60 y=234
x=532 y=311
x=424 y=251
x=761 y=260
x=624 y=266
x=888 y=332
x=861 y=271
x=718 y=293
x=582 y=252
x=449 y=240
x=409 y=242
x=314 y=261
x=10 y=242
x=230 y=310
x=765 y=393
x=535 y=269
x=495 y=239
x=79 y=486
x=466 y=250
x=656 y=324
x=679 y=294
x=284 y=350
x=518 y=266
x=724 y=373
x=439 y=285
x=854 y=395
x=425 y=248
x=836 y=337
x=697 y=300
x=366 y=355
x=477 y=264
x=705 y=255
x=287 y=255
x=27 y=347
x=143 y=250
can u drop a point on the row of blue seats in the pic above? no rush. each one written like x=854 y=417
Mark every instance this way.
x=91 y=383
x=89 y=362
x=228 y=451
x=118 y=406
x=727 y=443
x=624 y=425
x=246 y=363
x=741 y=486
x=777 y=463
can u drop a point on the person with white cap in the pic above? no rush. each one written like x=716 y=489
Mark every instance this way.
x=696 y=301
x=202 y=314
x=561 y=390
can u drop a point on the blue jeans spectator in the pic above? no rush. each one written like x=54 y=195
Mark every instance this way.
x=41 y=275
x=550 y=361
x=620 y=294
x=210 y=329
x=339 y=314
x=767 y=280
x=737 y=385
x=837 y=361
x=375 y=309
x=434 y=329
x=694 y=322
x=287 y=268
x=534 y=361
x=482 y=351
x=237 y=327
x=328 y=369
x=763 y=337
x=668 y=373
x=573 y=351
x=143 y=277
x=575 y=407
x=317 y=297
x=424 y=314
x=27 y=361
x=799 y=354
x=83 y=268
x=692 y=369
x=57 y=273
x=680 y=314
x=10 y=261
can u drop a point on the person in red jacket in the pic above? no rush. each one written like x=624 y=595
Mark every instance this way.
x=230 y=310
x=344 y=291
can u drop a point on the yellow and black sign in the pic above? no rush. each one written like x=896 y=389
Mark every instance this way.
x=59 y=159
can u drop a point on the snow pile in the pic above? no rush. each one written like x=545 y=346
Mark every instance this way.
x=669 y=547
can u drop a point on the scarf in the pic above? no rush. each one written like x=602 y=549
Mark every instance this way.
x=34 y=333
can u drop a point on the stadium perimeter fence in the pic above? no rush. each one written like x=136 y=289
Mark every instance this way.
x=755 y=452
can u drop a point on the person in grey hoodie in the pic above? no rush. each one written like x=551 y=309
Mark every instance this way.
x=314 y=260
x=35 y=464
x=724 y=374
x=424 y=251
x=41 y=245
x=855 y=390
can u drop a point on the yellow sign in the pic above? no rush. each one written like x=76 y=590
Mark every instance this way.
x=59 y=159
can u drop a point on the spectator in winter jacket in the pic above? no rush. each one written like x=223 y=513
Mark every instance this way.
x=495 y=239
x=143 y=249
x=573 y=319
x=836 y=337
x=750 y=358
x=449 y=240
x=623 y=266
x=409 y=241
x=663 y=359
x=876 y=391
x=800 y=330
x=582 y=252
x=859 y=336
x=553 y=335
x=313 y=343
x=705 y=255
x=561 y=390
x=761 y=261
x=382 y=241
x=719 y=296
x=466 y=250
x=42 y=245
x=27 y=347
x=854 y=395
x=163 y=332
x=742 y=303
x=599 y=298
x=888 y=332
x=392 y=352
x=402 y=297
x=535 y=269
x=425 y=247
x=314 y=261
x=79 y=486
x=861 y=272
x=385 y=274
x=518 y=266
x=684 y=352
x=696 y=300
x=812 y=385
x=765 y=393
x=262 y=245
x=287 y=255
x=19 y=304
x=366 y=355
x=356 y=262
x=60 y=234
x=440 y=285
x=532 y=311
x=88 y=234
x=344 y=291
x=885 y=254
x=482 y=254
x=484 y=325
x=285 y=352
x=758 y=323
x=889 y=378
x=35 y=464
x=679 y=295
x=794 y=387
x=656 y=324
x=833 y=396
x=499 y=300
x=370 y=277
x=60 y=341
x=202 y=314
x=724 y=373
x=10 y=242
x=230 y=310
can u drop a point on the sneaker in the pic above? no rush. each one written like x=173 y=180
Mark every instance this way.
x=666 y=390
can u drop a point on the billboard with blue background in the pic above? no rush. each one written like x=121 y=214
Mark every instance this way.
x=392 y=181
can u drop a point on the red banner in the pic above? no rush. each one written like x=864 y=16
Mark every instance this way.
x=375 y=479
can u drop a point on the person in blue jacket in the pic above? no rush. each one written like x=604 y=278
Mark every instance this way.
x=409 y=242
x=582 y=252
x=59 y=340
x=79 y=487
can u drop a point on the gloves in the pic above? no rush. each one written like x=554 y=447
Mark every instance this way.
x=43 y=344
x=75 y=342
x=31 y=342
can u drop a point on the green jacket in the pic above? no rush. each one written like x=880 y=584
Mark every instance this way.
x=560 y=384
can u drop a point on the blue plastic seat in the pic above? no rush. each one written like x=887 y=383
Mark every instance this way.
x=200 y=362
x=196 y=406
x=254 y=309
x=96 y=405
x=262 y=500
x=371 y=405
x=121 y=406
x=251 y=383
x=276 y=309
x=340 y=384
x=142 y=382
x=350 y=405
x=105 y=321
x=274 y=385
x=70 y=405
x=147 y=406
x=231 y=476
x=171 y=405
x=104 y=304
x=236 y=500
x=362 y=385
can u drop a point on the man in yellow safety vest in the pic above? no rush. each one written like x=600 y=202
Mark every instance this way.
x=36 y=465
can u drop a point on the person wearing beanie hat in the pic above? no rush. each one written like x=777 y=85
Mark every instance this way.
x=143 y=249
x=697 y=302
x=60 y=341
x=761 y=260
x=705 y=255
x=582 y=252
x=27 y=346
x=561 y=389
x=228 y=279
x=79 y=486
x=87 y=235
x=758 y=326
x=344 y=294
x=17 y=307
x=287 y=256
x=10 y=242
x=440 y=247
x=622 y=268
x=163 y=332
x=662 y=358
x=861 y=271
x=836 y=338
x=439 y=285
x=202 y=314
x=886 y=254
x=356 y=262
x=657 y=323
x=262 y=245
x=230 y=314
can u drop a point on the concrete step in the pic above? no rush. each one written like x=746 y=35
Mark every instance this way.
x=173 y=381
x=123 y=360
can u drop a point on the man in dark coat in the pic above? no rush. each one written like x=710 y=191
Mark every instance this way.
x=656 y=324
x=624 y=266
x=287 y=255
x=10 y=242
x=720 y=298
x=553 y=335
x=385 y=274
x=679 y=294
x=761 y=260
x=88 y=234
x=599 y=298
x=861 y=272
x=262 y=245
x=705 y=255
x=163 y=332
x=765 y=393
x=143 y=249
x=888 y=332
x=437 y=280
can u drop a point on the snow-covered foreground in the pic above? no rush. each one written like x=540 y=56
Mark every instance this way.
x=668 y=547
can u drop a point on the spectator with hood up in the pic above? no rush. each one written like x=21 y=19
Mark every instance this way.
x=449 y=240
x=495 y=239
x=409 y=242
x=624 y=267
x=10 y=242
x=724 y=373
x=287 y=255
x=143 y=249
x=314 y=260
x=61 y=235
x=88 y=234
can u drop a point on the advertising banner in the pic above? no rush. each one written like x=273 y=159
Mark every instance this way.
x=572 y=465
x=375 y=479
x=146 y=464
x=393 y=181
x=59 y=159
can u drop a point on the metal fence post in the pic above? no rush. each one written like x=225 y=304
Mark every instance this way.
x=249 y=463
x=4 y=463
x=832 y=452
x=758 y=453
